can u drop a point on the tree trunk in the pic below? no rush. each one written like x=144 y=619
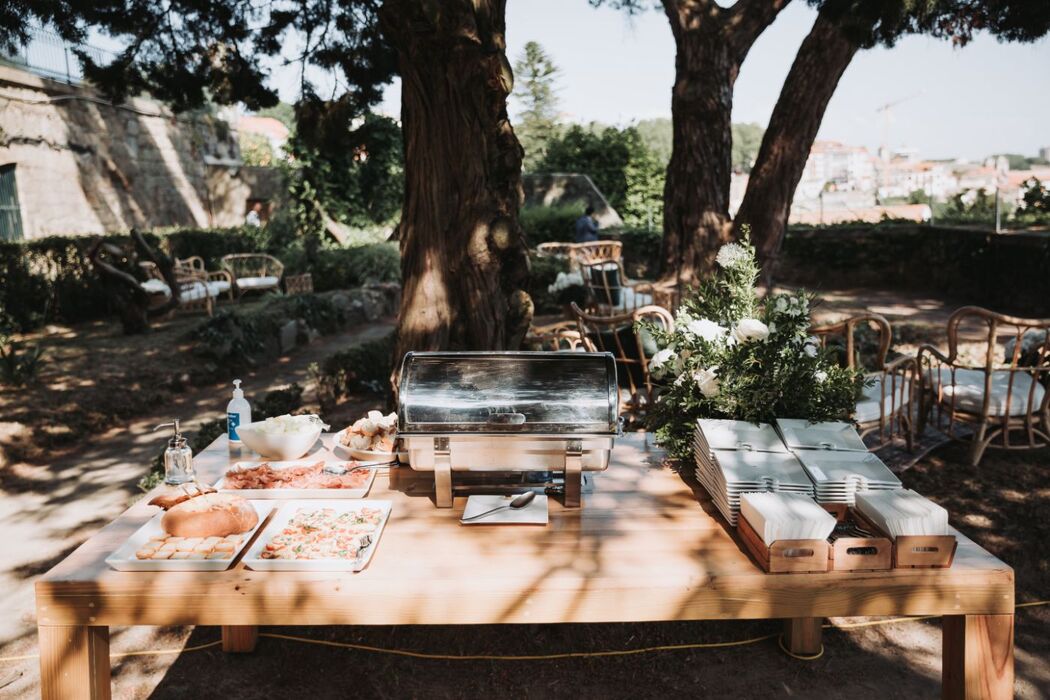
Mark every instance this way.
x=818 y=66
x=711 y=43
x=464 y=263
x=696 y=192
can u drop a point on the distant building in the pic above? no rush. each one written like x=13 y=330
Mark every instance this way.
x=273 y=130
x=1044 y=153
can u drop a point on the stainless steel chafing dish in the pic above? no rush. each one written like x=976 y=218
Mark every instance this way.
x=508 y=412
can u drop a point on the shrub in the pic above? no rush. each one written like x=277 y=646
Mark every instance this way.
x=544 y=224
x=641 y=253
x=344 y=268
x=364 y=367
x=544 y=272
x=279 y=402
x=18 y=365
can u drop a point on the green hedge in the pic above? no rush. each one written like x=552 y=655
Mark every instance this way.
x=546 y=224
x=49 y=279
x=1004 y=272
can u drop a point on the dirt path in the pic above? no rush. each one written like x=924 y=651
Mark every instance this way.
x=61 y=504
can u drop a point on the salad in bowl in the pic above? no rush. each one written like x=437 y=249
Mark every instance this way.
x=283 y=437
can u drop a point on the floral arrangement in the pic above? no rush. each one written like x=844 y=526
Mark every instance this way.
x=733 y=355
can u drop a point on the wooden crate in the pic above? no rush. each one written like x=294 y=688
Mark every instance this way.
x=858 y=553
x=908 y=551
x=785 y=556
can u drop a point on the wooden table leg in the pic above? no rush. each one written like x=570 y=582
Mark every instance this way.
x=977 y=657
x=802 y=635
x=239 y=638
x=74 y=662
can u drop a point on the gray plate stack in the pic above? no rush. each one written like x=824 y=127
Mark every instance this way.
x=836 y=460
x=736 y=457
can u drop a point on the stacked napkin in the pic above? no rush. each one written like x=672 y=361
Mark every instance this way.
x=786 y=516
x=903 y=512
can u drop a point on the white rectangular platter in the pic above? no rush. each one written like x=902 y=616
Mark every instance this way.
x=253 y=558
x=292 y=492
x=124 y=558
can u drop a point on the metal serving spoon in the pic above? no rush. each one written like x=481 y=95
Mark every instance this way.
x=339 y=470
x=519 y=502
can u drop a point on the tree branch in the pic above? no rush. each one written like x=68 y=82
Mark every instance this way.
x=746 y=20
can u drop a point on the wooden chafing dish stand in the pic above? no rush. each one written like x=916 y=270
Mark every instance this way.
x=508 y=412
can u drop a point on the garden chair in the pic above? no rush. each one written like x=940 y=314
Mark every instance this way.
x=554 y=249
x=631 y=345
x=554 y=337
x=219 y=282
x=1002 y=394
x=887 y=404
x=253 y=272
x=194 y=292
x=581 y=254
x=610 y=292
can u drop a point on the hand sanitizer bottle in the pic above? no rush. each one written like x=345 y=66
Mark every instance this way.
x=238 y=413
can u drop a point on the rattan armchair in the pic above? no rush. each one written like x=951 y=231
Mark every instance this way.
x=610 y=292
x=194 y=292
x=1004 y=398
x=554 y=337
x=219 y=281
x=622 y=336
x=581 y=254
x=888 y=403
x=253 y=271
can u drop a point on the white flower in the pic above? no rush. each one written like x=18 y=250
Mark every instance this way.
x=781 y=304
x=683 y=318
x=820 y=376
x=706 y=330
x=707 y=381
x=810 y=348
x=657 y=362
x=732 y=254
x=750 y=329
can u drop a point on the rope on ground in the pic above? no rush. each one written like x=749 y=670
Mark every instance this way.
x=533 y=657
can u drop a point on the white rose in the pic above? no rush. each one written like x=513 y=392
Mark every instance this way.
x=707 y=381
x=810 y=348
x=750 y=329
x=780 y=304
x=706 y=330
x=658 y=361
x=820 y=376
x=731 y=254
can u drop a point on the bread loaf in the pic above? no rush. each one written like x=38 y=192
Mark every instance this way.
x=210 y=515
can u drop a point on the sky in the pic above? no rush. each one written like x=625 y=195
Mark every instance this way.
x=985 y=98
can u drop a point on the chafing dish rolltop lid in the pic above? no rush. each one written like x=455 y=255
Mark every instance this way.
x=508 y=411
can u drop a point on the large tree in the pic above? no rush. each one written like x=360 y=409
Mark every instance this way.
x=841 y=29
x=535 y=89
x=464 y=262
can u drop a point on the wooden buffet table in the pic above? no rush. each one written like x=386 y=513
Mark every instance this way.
x=646 y=546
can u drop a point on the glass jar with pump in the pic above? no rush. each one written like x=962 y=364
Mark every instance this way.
x=178 y=457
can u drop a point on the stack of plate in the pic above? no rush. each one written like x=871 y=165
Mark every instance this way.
x=803 y=435
x=730 y=461
x=839 y=474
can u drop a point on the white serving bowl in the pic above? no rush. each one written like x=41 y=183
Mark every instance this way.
x=283 y=446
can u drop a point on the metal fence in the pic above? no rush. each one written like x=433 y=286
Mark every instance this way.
x=49 y=55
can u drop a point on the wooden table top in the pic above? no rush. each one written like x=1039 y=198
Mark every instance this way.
x=646 y=545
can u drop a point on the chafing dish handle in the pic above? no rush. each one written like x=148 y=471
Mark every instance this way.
x=507 y=419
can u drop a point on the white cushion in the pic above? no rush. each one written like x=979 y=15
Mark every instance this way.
x=257 y=282
x=870 y=406
x=968 y=391
x=155 y=286
x=217 y=287
x=193 y=291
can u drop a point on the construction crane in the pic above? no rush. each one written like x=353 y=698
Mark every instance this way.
x=886 y=111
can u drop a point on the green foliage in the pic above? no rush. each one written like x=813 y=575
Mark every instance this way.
x=256 y=149
x=279 y=402
x=1035 y=206
x=658 y=137
x=534 y=86
x=351 y=170
x=618 y=161
x=18 y=365
x=364 y=367
x=344 y=268
x=971 y=207
x=641 y=252
x=734 y=356
x=546 y=224
x=233 y=339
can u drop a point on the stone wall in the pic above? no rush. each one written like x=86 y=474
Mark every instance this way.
x=83 y=166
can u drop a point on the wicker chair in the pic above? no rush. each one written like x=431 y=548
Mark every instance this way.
x=219 y=281
x=194 y=290
x=554 y=337
x=554 y=249
x=253 y=271
x=1005 y=397
x=610 y=292
x=581 y=254
x=621 y=336
x=888 y=402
